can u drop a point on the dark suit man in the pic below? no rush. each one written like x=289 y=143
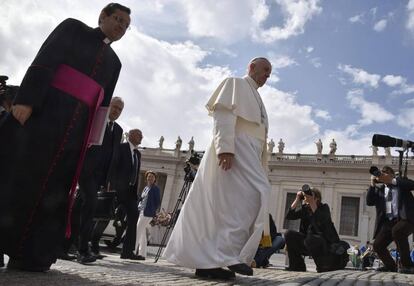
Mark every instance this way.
x=126 y=186
x=97 y=172
x=394 y=204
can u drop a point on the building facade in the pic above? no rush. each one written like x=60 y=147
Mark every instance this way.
x=343 y=181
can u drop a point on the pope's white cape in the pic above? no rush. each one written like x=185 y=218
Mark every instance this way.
x=222 y=219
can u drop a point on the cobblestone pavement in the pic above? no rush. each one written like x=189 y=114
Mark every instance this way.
x=115 y=271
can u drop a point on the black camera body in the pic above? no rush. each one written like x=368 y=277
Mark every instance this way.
x=191 y=165
x=375 y=171
x=306 y=189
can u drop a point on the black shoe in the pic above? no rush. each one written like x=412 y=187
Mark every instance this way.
x=406 y=270
x=97 y=255
x=66 y=256
x=85 y=258
x=295 y=269
x=132 y=256
x=215 y=273
x=21 y=265
x=241 y=268
x=385 y=269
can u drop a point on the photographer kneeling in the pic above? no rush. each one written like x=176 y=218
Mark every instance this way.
x=317 y=235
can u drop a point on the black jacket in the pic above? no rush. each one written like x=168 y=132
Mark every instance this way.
x=122 y=177
x=319 y=222
x=101 y=160
x=375 y=197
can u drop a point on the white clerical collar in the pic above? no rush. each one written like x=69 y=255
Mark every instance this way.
x=107 y=41
x=251 y=81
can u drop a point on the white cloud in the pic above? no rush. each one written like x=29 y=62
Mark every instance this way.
x=359 y=18
x=406 y=119
x=410 y=102
x=209 y=18
x=405 y=89
x=392 y=80
x=380 y=25
x=288 y=119
x=373 y=11
x=296 y=14
x=309 y=49
x=410 y=18
x=281 y=61
x=316 y=62
x=400 y=83
x=166 y=92
x=323 y=114
x=371 y=112
x=360 y=76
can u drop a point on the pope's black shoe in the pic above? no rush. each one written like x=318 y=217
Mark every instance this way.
x=215 y=273
x=295 y=269
x=241 y=268
x=132 y=256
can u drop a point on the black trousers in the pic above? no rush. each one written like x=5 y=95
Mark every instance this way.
x=295 y=243
x=397 y=231
x=299 y=244
x=88 y=189
x=131 y=209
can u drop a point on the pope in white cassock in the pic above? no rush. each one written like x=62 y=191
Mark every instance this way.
x=222 y=219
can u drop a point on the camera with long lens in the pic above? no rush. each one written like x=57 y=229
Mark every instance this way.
x=375 y=171
x=191 y=166
x=306 y=190
x=388 y=141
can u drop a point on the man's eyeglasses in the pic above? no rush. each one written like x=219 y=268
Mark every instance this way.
x=121 y=21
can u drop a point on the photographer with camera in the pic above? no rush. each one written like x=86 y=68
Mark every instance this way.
x=7 y=95
x=317 y=235
x=394 y=204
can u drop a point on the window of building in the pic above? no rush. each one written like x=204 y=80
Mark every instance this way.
x=290 y=224
x=349 y=216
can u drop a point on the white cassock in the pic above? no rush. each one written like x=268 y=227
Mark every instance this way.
x=221 y=221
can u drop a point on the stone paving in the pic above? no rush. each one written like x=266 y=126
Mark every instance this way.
x=115 y=271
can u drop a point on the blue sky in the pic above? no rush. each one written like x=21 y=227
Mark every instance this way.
x=343 y=69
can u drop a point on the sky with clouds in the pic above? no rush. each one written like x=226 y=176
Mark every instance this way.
x=341 y=69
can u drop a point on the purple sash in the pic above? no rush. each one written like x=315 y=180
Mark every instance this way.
x=85 y=89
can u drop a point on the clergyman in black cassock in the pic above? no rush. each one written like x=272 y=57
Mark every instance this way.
x=42 y=143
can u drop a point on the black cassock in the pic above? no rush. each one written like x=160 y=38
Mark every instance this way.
x=38 y=160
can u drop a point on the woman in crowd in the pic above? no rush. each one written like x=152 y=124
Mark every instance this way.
x=147 y=207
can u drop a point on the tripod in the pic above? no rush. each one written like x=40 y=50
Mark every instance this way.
x=188 y=179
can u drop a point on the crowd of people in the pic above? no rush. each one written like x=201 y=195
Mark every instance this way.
x=51 y=177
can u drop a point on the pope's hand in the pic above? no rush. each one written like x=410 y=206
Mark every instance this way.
x=225 y=160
